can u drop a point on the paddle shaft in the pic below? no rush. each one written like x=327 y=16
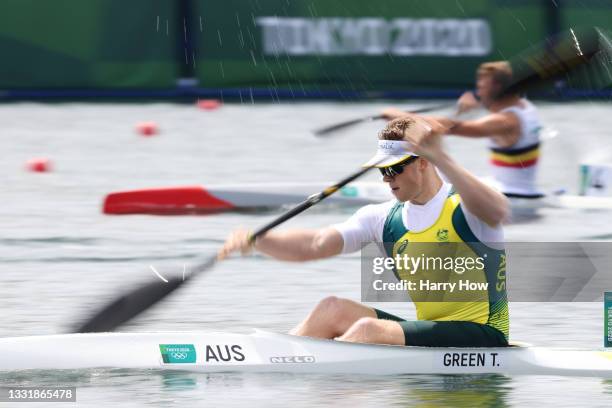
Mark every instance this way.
x=309 y=202
x=329 y=129
x=142 y=298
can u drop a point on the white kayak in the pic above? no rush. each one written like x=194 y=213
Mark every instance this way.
x=270 y=352
x=238 y=197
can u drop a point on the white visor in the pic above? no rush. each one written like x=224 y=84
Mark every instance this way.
x=390 y=152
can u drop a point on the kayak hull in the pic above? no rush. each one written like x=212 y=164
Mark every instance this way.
x=271 y=352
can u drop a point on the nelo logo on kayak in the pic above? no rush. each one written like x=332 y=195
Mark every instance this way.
x=225 y=353
x=292 y=359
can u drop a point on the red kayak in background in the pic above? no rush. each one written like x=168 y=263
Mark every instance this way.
x=203 y=200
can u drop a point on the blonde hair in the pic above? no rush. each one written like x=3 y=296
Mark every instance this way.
x=396 y=129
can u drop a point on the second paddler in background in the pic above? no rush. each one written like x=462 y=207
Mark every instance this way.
x=511 y=125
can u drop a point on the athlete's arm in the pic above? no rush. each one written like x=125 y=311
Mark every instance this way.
x=301 y=244
x=505 y=127
x=297 y=245
x=289 y=245
x=484 y=202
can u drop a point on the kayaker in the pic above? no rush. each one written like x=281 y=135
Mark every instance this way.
x=425 y=209
x=512 y=126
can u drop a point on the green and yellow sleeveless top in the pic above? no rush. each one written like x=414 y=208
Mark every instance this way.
x=450 y=242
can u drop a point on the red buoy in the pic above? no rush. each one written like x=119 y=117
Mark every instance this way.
x=209 y=104
x=39 y=164
x=147 y=128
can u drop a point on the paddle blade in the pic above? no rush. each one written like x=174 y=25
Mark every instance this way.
x=581 y=57
x=129 y=305
x=138 y=300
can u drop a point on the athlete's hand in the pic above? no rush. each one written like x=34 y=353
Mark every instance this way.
x=392 y=113
x=467 y=102
x=425 y=136
x=238 y=241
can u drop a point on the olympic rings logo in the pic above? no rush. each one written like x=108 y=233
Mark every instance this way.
x=179 y=356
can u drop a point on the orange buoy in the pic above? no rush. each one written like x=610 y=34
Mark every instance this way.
x=209 y=104
x=39 y=164
x=147 y=128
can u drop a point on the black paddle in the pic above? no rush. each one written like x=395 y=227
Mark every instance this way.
x=332 y=128
x=140 y=299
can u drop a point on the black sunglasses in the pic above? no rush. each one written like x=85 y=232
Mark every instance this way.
x=394 y=170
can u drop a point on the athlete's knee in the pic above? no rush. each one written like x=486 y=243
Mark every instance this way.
x=335 y=311
x=331 y=305
x=364 y=329
x=326 y=320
